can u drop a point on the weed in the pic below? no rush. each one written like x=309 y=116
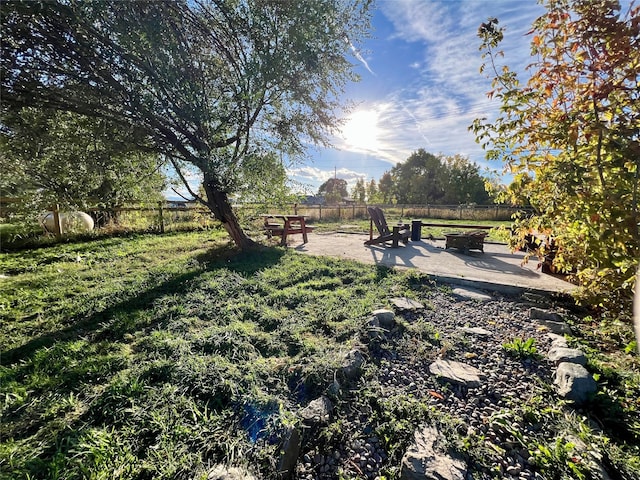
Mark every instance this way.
x=521 y=348
x=559 y=460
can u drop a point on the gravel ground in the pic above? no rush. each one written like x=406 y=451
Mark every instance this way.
x=398 y=368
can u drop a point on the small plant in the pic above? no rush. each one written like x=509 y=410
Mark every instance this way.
x=560 y=459
x=521 y=348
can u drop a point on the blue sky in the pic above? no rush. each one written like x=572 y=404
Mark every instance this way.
x=422 y=87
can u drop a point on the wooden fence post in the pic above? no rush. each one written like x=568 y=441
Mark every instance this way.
x=320 y=212
x=57 y=224
x=160 y=217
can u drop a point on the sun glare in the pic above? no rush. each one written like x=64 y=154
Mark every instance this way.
x=361 y=130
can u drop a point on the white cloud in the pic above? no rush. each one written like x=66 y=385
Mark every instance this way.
x=357 y=54
x=416 y=20
x=436 y=105
x=319 y=176
x=313 y=173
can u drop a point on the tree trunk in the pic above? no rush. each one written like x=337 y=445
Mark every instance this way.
x=636 y=309
x=218 y=203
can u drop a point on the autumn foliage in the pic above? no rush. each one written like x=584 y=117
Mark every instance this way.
x=572 y=130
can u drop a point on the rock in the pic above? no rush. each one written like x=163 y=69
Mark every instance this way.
x=481 y=332
x=352 y=365
x=458 y=373
x=563 y=354
x=221 y=472
x=386 y=318
x=559 y=328
x=375 y=332
x=549 y=319
x=574 y=382
x=540 y=314
x=471 y=294
x=404 y=303
x=289 y=453
x=534 y=297
x=557 y=340
x=318 y=411
x=422 y=462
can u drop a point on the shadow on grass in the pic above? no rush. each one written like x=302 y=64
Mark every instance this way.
x=83 y=241
x=245 y=263
x=119 y=319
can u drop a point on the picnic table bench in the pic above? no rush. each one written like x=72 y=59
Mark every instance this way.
x=285 y=225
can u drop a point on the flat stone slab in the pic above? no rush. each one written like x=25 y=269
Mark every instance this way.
x=479 y=331
x=352 y=364
x=563 y=354
x=457 y=372
x=471 y=294
x=423 y=461
x=497 y=268
x=543 y=314
x=559 y=328
x=558 y=340
x=404 y=303
x=222 y=472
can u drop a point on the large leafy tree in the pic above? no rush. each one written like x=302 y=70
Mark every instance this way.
x=359 y=192
x=574 y=128
x=419 y=179
x=385 y=187
x=463 y=182
x=50 y=157
x=334 y=190
x=211 y=82
x=373 y=194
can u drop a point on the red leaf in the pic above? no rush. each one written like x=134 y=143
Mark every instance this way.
x=435 y=394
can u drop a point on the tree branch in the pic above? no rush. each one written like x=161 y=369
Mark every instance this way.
x=186 y=183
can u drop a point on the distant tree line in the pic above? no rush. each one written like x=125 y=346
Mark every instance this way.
x=425 y=178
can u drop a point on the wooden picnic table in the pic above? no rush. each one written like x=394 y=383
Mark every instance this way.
x=285 y=225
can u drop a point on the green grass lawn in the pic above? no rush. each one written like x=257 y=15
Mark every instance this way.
x=362 y=226
x=131 y=357
x=147 y=356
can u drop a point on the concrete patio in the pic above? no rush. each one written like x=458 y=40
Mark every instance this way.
x=495 y=269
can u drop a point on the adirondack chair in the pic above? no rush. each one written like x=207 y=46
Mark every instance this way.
x=393 y=235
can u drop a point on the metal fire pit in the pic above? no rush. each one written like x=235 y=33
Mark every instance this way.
x=466 y=241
